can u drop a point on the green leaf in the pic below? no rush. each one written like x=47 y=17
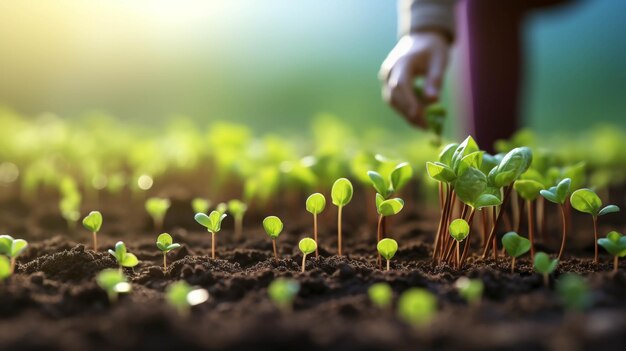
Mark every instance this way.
x=474 y=160
x=528 y=189
x=586 y=201
x=467 y=147
x=212 y=222
x=417 y=306
x=543 y=264
x=379 y=200
x=18 y=246
x=307 y=246
x=93 y=221
x=120 y=251
x=574 y=292
x=380 y=185
x=283 y=291
x=387 y=248
x=440 y=172
x=515 y=245
x=109 y=279
x=470 y=185
x=181 y=296
x=445 y=156
x=129 y=260
x=316 y=203
x=488 y=163
x=435 y=118
x=165 y=243
x=487 y=200
x=390 y=207
x=200 y=205
x=341 y=192
x=237 y=208
x=202 y=219
x=459 y=229
x=514 y=163
x=470 y=289
x=614 y=243
x=380 y=294
x=5 y=268
x=557 y=194
x=157 y=207
x=608 y=209
x=6 y=241
x=273 y=226
x=400 y=176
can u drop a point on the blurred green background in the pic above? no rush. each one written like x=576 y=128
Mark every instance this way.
x=275 y=64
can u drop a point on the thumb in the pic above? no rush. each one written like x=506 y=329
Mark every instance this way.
x=434 y=77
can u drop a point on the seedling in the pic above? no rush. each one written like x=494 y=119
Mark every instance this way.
x=113 y=282
x=315 y=204
x=213 y=224
x=528 y=190
x=386 y=208
x=587 y=201
x=5 y=268
x=200 y=205
x=307 y=246
x=165 y=243
x=12 y=248
x=558 y=195
x=574 y=292
x=182 y=296
x=387 y=248
x=515 y=246
x=222 y=207
x=470 y=289
x=459 y=230
x=398 y=178
x=380 y=294
x=237 y=209
x=273 y=227
x=157 y=208
x=545 y=266
x=341 y=195
x=615 y=244
x=93 y=223
x=417 y=306
x=123 y=257
x=282 y=292
x=69 y=205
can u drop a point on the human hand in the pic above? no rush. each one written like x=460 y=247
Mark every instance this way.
x=423 y=53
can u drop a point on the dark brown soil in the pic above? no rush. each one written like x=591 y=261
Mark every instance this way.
x=53 y=302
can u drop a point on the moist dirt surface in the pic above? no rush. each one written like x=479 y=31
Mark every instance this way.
x=53 y=303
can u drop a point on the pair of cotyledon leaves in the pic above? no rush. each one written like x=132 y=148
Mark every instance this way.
x=212 y=222
x=12 y=247
x=614 y=243
x=123 y=257
x=398 y=178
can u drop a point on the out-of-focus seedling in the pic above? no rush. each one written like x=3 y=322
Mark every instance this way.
x=213 y=224
x=123 y=257
x=222 y=207
x=417 y=306
x=165 y=243
x=341 y=195
x=282 y=292
x=12 y=248
x=315 y=204
x=574 y=292
x=113 y=282
x=387 y=248
x=307 y=246
x=273 y=227
x=515 y=246
x=470 y=289
x=615 y=244
x=182 y=296
x=237 y=209
x=459 y=230
x=200 y=205
x=558 y=195
x=5 y=268
x=545 y=266
x=157 y=208
x=93 y=223
x=381 y=295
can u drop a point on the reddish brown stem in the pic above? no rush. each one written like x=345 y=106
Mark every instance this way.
x=595 y=239
x=564 y=234
x=317 y=254
x=467 y=240
x=513 y=265
x=212 y=245
x=483 y=239
x=496 y=221
x=339 y=230
x=615 y=263
x=494 y=242
x=458 y=254
x=442 y=217
x=275 y=250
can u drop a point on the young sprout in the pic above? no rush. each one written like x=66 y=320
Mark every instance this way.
x=12 y=248
x=528 y=190
x=307 y=246
x=200 y=205
x=273 y=226
x=213 y=224
x=544 y=265
x=417 y=306
x=574 y=292
x=165 y=243
x=182 y=296
x=387 y=248
x=341 y=195
x=587 y=201
x=156 y=208
x=5 y=268
x=282 y=292
x=315 y=204
x=69 y=205
x=237 y=209
x=123 y=257
x=470 y=289
x=222 y=207
x=558 y=195
x=93 y=223
x=515 y=246
x=380 y=294
x=459 y=230
x=113 y=282
x=386 y=208
x=615 y=244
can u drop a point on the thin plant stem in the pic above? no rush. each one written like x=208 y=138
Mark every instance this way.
x=317 y=253
x=458 y=254
x=496 y=221
x=275 y=250
x=164 y=261
x=439 y=240
x=531 y=228
x=95 y=242
x=541 y=217
x=595 y=239
x=339 y=230
x=303 y=262
x=12 y=264
x=387 y=265
x=513 y=265
x=517 y=211
x=546 y=279
x=212 y=245
x=468 y=239
x=615 y=263
x=494 y=242
x=379 y=237
x=564 y=234
x=238 y=227
x=483 y=238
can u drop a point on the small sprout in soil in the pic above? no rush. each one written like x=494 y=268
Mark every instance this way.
x=587 y=201
x=237 y=209
x=113 y=282
x=222 y=207
x=182 y=296
x=93 y=223
x=615 y=244
x=515 y=246
x=470 y=289
x=315 y=204
x=459 y=230
x=5 y=268
x=12 y=248
x=341 y=195
x=200 y=205
x=273 y=227
x=387 y=248
x=157 y=208
x=574 y=292
x=123 y=257
x=417 y=306
x=213 y=224
x=385 y=208
x=528 y=189
x=307 y=246
x=558 y=195
x=282 y=292
x=165 y=243
x=381 y=295
x=545 y=266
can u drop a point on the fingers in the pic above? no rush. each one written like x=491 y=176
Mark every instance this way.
x=434 y=76
x=399 y=93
